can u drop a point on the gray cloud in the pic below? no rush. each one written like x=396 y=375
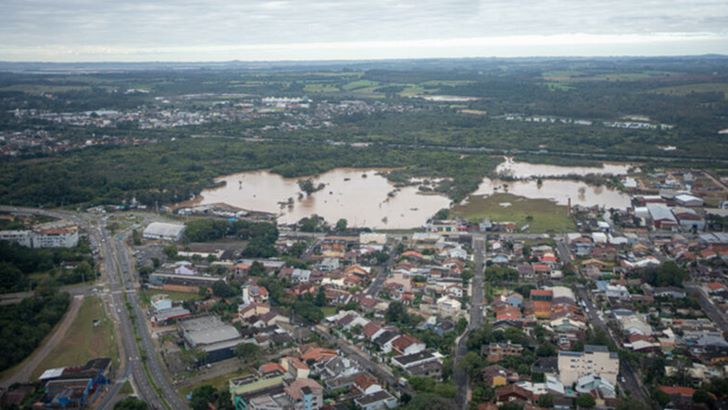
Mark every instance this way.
x=223 y=29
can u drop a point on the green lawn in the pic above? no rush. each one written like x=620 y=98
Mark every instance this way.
x=218 y=382
x=546 y=215
x=147 y=294
x=328 y=310
x=126 y=389
x=83 y=341
x=356 y=85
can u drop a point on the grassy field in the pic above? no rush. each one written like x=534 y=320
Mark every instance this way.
x=217 y=382
x=546 y=215
x=147 y=294
x=358 y=84
x=328 y=310
x=83 y=341
x=695 y=88
x=412 y=90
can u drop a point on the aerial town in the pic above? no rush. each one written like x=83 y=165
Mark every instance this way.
x=227 y=308
x=363 y=205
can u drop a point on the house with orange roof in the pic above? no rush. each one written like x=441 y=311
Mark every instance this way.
x=371 y=330
x=271 y=369
x=541 y=268
x=317 y=354
x=716 y=287
x=357 y=269
x=241 y=268
x=406 y=344
x=366 y=383
x=508 y=312
x=548 y=258
x=680 y=397
x=541 y=309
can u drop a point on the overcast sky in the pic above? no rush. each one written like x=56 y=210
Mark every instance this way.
x=188 y=30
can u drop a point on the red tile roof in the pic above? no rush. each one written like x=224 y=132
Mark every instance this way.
x=678 y=390
x=403 y=342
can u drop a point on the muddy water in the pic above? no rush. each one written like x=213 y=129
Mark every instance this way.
x=558 y=190
x=526 y=170
x=361 y=196
x=365 y=198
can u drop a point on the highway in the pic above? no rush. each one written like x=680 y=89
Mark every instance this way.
x=153 y=387
x=121 y=301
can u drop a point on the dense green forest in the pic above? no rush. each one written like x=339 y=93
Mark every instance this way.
x=18 y=263
x=176 y=170
x=24 y=325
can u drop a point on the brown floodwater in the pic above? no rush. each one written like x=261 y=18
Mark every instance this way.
x=361 y=196
x=525 y=170
x=365 y=198
x=558 y=190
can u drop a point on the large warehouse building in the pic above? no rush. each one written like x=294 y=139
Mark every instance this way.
x=164 y=231
x=211 y=335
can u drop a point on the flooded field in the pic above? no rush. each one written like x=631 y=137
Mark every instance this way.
x=365 y=198
x=558 y=190
x=361 y=196
x=526 y=170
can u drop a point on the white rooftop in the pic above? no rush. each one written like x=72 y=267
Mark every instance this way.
x=164 y=229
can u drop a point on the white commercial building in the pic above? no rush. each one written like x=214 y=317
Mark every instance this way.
x=164 y=231
x=57 y=234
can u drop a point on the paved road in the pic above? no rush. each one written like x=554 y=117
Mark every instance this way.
x=632 y=381
x=709 y=307
x=460 y=378
x=123 y=300
x=378 y=282
x=363 y=359
x=23 y=375
x=121 y=283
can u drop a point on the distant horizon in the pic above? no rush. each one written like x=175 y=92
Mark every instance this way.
x=374 y=60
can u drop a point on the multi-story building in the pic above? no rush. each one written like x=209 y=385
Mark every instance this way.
x=305 y=394
x=595 y=360
x=57 y=234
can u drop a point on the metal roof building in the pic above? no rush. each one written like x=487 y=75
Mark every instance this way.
x=164 y=231
x=211 y=335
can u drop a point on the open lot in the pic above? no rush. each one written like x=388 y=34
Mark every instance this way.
x=147 y=294
x=545 y=215
x=218 y=382
x=83 y=340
